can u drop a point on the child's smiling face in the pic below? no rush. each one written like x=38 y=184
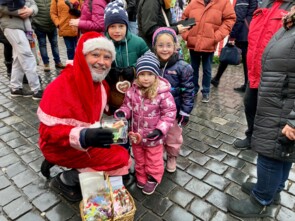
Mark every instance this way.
x=117 y=31
x=165 y=46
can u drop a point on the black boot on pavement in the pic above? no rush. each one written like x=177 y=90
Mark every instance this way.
x=71 y=193
x=242 y=144
x=45 y=168
x=249 y=208
x=240 y=89
x=214 y=82
x=247 y=188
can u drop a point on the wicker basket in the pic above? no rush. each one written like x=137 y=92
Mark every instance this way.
x=129 y=216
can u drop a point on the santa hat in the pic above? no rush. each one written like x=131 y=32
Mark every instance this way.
x=100 y=42
x=148 y=62
x=115 y=13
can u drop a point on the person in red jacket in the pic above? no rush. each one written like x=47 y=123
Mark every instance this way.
x=73 y=102
x=267 y=19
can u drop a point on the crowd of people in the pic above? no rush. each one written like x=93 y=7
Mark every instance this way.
x=136 y=44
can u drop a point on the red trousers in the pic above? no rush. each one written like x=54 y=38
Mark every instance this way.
x=148 y=161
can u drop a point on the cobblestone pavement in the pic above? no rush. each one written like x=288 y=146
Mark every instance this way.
x=209 y=171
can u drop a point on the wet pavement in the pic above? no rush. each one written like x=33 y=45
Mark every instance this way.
x=209 y=170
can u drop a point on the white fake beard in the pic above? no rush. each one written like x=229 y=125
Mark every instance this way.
x=98 y=77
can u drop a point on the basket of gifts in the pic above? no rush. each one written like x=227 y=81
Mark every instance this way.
x=105 y=198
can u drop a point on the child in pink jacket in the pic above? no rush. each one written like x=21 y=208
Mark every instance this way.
x=152 y=110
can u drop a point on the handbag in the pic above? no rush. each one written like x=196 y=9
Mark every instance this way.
x=230 y=54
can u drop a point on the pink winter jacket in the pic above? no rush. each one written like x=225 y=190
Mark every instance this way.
x=92 y=16
x=147 y=115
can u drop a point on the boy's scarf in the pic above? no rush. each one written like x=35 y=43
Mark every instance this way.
x=289 y=19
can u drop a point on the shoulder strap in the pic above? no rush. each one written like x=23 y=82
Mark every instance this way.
x=165 y=17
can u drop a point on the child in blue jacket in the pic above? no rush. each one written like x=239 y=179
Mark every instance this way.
x=180 y=76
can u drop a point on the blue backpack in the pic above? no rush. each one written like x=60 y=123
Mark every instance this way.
x=13 y=5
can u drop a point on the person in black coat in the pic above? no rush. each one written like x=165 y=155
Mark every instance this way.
x=132 y=13
x=153 y=14
x=274 y=126
x=239 y=36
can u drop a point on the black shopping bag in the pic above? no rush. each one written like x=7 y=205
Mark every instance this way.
x=230 y=54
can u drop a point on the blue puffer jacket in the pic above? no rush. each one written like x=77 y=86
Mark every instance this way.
x=244 y=10
x=180 y=76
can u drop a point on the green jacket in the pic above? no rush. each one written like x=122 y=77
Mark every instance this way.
x=128 y=50
x=42 y=20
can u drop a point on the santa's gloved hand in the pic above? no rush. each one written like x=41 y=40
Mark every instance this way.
x=182 y=120
x=155 y=134
x=119 y=114
x=96 y=137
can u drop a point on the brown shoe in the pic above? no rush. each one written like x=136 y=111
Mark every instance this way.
x=60 y=65
x=46 y=68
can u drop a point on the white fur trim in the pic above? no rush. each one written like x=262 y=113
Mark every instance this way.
x=99 y=43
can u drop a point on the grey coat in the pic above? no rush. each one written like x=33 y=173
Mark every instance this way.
x=11 y=20
x=42 y=21
x=276 y=96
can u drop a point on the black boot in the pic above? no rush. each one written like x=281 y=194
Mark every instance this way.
x=215 y=82
x=240 y=89
x=71 y=193
x=249 y=208
x=45 y=168
x=247 y=188
x=243 y=144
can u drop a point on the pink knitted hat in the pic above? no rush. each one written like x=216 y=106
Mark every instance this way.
x=162 y=31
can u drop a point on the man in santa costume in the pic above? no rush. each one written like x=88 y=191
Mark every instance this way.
x=70 y=105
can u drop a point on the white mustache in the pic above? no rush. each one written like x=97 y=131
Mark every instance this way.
x=99 y=66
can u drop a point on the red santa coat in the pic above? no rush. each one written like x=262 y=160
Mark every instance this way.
x=69 y=104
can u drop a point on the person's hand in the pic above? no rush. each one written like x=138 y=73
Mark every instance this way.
x=182 y=28
x=231 y=41
x=119 y=114
x=289 y=132
x=25 y=12
x=182 y=120
x=155 y=133
x=74 y=22
x=98 y=137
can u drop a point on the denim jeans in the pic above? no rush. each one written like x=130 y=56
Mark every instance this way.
x=250 y=104
x=52 y=37
x=206 y=58
x=271 y=177
x=71 y=43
